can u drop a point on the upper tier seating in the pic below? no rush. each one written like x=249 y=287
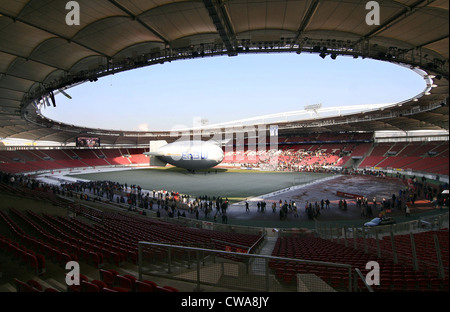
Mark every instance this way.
x=429 y=157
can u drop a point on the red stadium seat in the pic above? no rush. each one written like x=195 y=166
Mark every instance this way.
x=89 y=287
x=41 y=263
x=78 y=288
x=33 y=263
x=96 y=259
x=173 y=289
x=22 y=286
x=125 y=282
x=107 y=277
x=144 y=287
x=114 y=289
x=36 y=285
x=99 y=284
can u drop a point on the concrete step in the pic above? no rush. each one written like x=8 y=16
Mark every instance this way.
x=51 y=283
x=269 y=244
x=7 y=287
x=258 y=266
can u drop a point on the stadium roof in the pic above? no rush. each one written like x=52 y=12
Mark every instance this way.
x=41 y=53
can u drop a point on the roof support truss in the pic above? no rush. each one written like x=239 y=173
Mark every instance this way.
x=309 y=14
x=54 y=34
x=405 y=12
x=134 y=17
x=222 y=22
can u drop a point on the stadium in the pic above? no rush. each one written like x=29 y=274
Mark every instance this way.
x=293 y=207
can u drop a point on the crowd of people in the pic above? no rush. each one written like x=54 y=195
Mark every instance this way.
x=312 y=210
x=133 y=197
x=174 y=204
x=165 y=203
x=289 y=160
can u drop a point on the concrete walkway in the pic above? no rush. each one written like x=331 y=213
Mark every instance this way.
x=258 y=266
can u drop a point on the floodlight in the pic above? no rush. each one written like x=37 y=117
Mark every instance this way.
x=52 y=97
x=65 y=94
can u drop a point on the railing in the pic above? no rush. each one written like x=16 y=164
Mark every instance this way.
x=215 y=226
x=370 y=240
x=226 y=270
x=333 y=231
x=360 y=277
x=246 y=249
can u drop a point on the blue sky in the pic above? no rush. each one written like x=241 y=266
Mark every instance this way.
x=223 y=89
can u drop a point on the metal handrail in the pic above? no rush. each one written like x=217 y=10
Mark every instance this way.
x=267 y=258
x=358 y=274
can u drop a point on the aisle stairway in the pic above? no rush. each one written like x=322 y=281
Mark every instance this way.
x=258 y=266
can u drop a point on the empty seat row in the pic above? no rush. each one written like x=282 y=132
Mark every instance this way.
x=34 y=261
x=31 y=286
x=116 y=282
x=318 y=249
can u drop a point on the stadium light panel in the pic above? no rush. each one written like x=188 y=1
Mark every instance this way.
x=52 y=97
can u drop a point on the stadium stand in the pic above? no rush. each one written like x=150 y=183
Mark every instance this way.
x=103 y=239
x=424 y=248
x=360 y=150
x=109 y=238
x=39 y=239
x=14 y=162
x=431 y=157
x=395 y=277
x=294 y=153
